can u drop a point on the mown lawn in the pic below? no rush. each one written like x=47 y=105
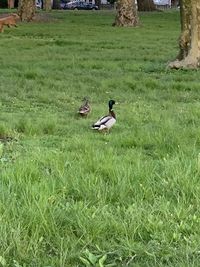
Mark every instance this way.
x=67 y=193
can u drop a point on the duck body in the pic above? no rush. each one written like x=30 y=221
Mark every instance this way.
x=106 y=122
x=85 y=108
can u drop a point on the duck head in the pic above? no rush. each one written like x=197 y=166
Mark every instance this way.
x=86 y=100
x=110 y=104
x=111 y=112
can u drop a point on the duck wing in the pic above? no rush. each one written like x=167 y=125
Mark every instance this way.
x=104 y=122
x=84 y=109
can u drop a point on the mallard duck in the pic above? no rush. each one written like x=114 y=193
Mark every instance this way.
x=85 y=108
x=106 y=122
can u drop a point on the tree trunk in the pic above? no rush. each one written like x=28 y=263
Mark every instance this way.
x=47 y=5
x=98 y=3
x=16 y=3
x=126 y=13
x=146 y=5
x=189 y=41
x=56 y=4
x=26 y=9
x=11 y=3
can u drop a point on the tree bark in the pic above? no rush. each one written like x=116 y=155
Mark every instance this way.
x=98 y=3
x=146 y=5
x=189 y=41
x=56 y=4
x=126 y=13
x=26 y=9
x=47 y=5
x=11 y=3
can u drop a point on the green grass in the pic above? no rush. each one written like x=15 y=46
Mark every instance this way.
x=67 y=193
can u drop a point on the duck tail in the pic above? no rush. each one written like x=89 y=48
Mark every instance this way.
x=95 y=127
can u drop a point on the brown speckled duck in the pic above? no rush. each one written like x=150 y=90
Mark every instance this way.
x=85 y=108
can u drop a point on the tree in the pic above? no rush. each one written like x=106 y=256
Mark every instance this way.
x=146 y=5
x=26 y=9
x=126 y=13
x=11 y=3
x=56 y=4
x=47 y=5
x=189 y=41
x=98 y=3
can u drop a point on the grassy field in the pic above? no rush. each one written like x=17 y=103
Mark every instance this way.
x=69 y=195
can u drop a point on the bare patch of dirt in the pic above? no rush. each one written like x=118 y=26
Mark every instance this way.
x=39 y=17
x=44 y=17
x=5 y=15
